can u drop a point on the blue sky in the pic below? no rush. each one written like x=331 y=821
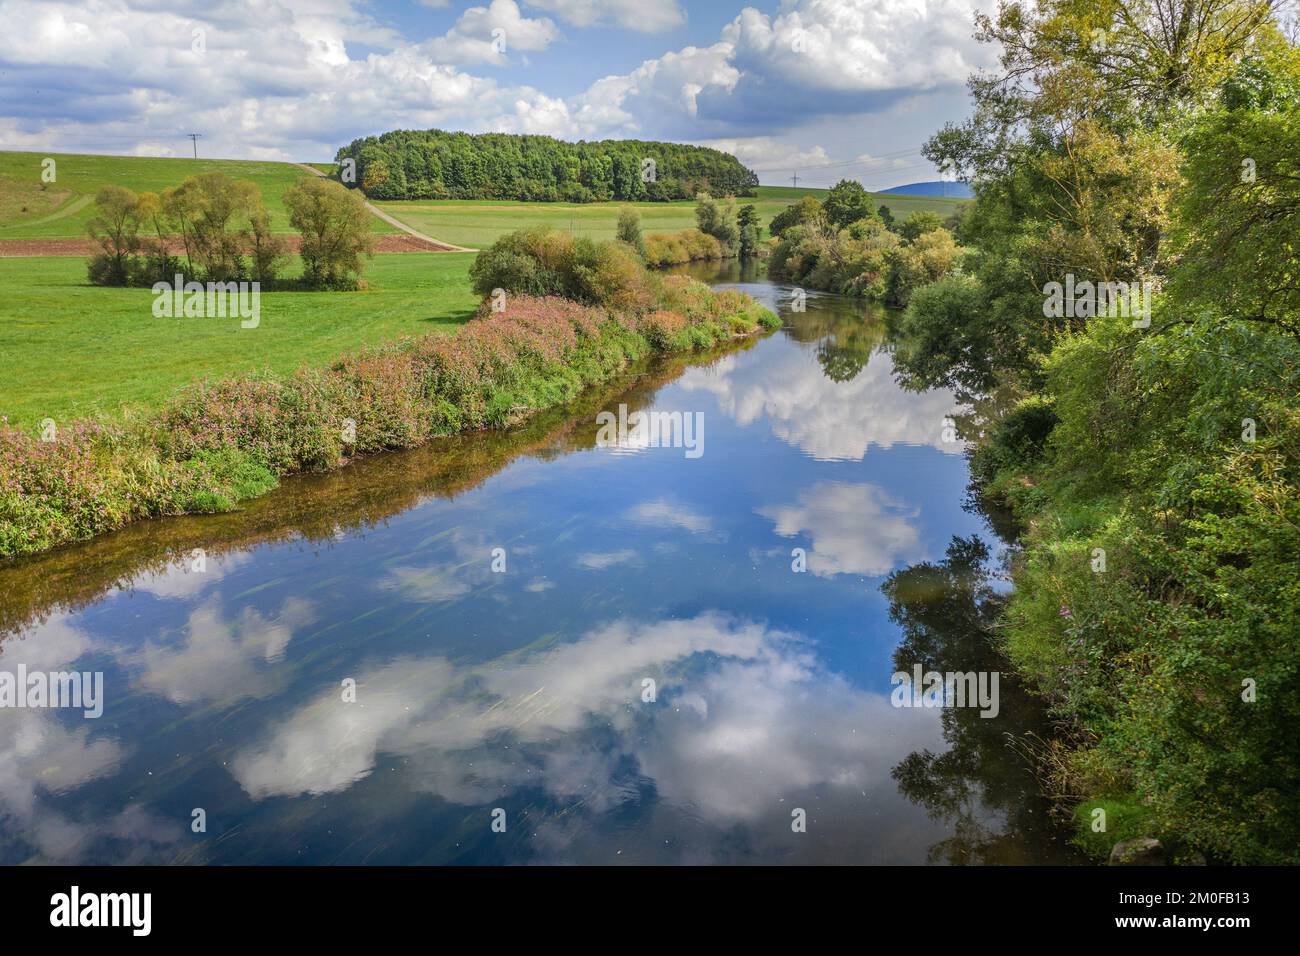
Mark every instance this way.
x=828 y=88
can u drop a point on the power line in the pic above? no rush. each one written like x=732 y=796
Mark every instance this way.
x=897 y=154
x=194 y=137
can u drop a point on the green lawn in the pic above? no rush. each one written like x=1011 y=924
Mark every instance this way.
x=477 y=223
x=32 y=209
x=72 y=350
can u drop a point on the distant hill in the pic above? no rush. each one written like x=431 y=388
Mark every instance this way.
x=936 y=188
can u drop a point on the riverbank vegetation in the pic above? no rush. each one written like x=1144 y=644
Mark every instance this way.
x=1151 y=454
x=479 y=222
x=566 y=321
x=841 y=245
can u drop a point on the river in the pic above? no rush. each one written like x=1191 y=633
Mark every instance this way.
x=528 y=648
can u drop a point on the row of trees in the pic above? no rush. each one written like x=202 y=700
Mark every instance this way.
x=223 y=232
x=1153 y=459
x=841 y=245
x=436 y=164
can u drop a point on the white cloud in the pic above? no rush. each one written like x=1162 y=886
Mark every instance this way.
x=758 y=152
x=600 y=560
x=488 y=34
x=220 y=659
x=273 y=83
x=854 y=528
x=860 y=45
x=648 y=16
x=729 y=739
x=663 y=513
x=298 y=78
x=827 y=420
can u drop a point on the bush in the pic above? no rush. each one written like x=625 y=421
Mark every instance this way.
x=677 y=248
x=929 y=257
x=629 y=229
x=1018 y=441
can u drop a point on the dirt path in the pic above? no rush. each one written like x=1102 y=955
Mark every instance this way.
x=78 y=204
x=447 y=246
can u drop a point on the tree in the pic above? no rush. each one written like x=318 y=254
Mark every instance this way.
x=335 y=228
x=410 y=164
x=115 y=226
x=719 y=221
x=267 y=251
x=919 y=223
x=928 y=258
x=629 y=229
x=160 y=265
x=806 y=211
x=846 y=203
x=747 y=221
x=213 y=212
x=886 y=216
x=1240 y=210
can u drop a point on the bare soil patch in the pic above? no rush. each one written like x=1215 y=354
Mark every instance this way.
x=11 y=248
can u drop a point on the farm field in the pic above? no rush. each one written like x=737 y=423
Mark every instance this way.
x=478 y=222
x=72 y=350
x=31 y=209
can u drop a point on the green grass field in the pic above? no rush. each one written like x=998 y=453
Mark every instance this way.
x=73 y=350
x=477 y=223
x=32 y=209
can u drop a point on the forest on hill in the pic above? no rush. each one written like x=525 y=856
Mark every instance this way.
x=436 y=164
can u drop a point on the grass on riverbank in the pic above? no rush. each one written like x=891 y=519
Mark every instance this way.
x=217 y=443
x=73 y=350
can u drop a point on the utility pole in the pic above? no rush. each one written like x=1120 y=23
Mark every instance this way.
x=795 y=179
x=195 y=138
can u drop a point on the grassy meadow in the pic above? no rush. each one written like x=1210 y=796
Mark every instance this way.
x=32 y=209
x=70 y=349
x=476 y=223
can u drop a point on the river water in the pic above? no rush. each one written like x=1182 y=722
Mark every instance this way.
x=528 y=648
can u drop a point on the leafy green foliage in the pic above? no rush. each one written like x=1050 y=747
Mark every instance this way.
x=1154 y=468
x=335 y=229
x=846 y=203
x=435 y=164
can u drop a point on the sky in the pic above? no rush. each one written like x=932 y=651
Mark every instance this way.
x=825 y=89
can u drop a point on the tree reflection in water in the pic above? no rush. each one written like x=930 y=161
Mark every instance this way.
x=948 y=612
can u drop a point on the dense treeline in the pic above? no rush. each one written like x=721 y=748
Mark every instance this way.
x=436 y=164
x=1149 y=441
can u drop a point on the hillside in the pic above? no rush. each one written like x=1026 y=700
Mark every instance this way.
x=31 y=209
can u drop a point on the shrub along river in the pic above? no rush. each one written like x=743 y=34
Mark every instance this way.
x=349 y=671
